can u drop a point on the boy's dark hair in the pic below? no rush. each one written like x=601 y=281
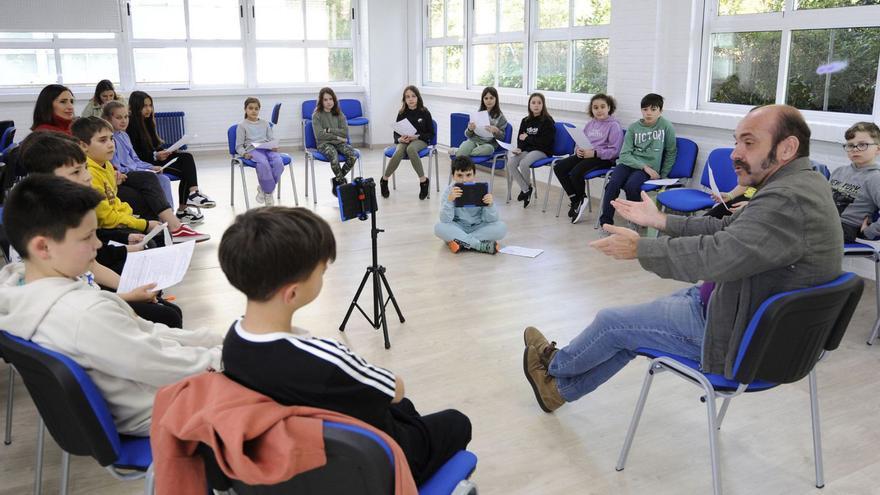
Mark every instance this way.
x=612 y=105
x=43 y=204
x=463 y=164
x=43 y=152
x=267 y=248
x=869 y=127
x=43 y=111
x=652 y=100
x=85 y=128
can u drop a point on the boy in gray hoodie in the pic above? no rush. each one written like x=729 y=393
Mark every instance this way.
x=856 y=187
x=476 y=227
x=51 y=222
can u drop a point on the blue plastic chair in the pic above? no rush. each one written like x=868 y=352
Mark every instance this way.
x=563 y=145
x=7 y=138
x=358 y=461
x=243 y=162
x=784 y=340
x=685 y=162
x=429 y=151
x=458 y=124
x=691 y=200
x=76 y=414
x=276 y=113
x=312 y=154
x=354 y=114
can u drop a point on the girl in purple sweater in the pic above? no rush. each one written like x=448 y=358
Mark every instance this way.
x=606 y=137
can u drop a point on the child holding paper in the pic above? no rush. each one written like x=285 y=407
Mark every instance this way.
x=605 y=135
x=249 y=133
x=148 y=146
x=475 y=228
x=481 y=145
x=51 y=222
x=408 y=146
x=96 y=136
x=535 y=138
x=331 y=133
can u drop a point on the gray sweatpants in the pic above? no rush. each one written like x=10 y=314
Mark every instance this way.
x=518 y=167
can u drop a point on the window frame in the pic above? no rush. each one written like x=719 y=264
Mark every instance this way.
x=785 y=22
x=445 y=41
x=497 y=38
x=56 y=44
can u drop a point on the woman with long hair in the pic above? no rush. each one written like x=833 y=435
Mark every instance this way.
x=53 y=110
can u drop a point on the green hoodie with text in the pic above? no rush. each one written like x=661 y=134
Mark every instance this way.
x=649 y=146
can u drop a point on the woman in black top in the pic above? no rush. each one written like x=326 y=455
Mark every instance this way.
x=413 y=109
x=536 y=135
x=148 y=146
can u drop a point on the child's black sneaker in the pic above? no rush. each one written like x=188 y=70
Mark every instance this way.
x=528 y=197
x=383 y=187
x=424 y=187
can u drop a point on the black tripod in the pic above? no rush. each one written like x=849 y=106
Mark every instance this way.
x=379 y=301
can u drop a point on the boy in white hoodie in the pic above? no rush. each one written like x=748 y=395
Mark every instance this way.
x=51 y=222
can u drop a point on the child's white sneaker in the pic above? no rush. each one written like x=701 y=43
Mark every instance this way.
x=261 y=196
x=269 y=198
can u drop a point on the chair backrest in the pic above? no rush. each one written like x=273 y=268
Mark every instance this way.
x=458 y=123
x=276 y=112
x=308 y=108
x=309 y=136
x=358 y=461
x=563 y=144
x=70 y=404
x=351 y=108
x=722 y=168
x=230 y=138
x=7 y=137
x=788 y=333
x=508 y=136
x=433 y=141
x=685 y=159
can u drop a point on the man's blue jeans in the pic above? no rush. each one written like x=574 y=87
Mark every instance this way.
x=673 y=324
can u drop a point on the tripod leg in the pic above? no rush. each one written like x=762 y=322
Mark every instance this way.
x=379 y=306
x=354 y=300
x=390 y=294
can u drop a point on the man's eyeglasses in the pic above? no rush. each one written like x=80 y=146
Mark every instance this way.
x=860 y=146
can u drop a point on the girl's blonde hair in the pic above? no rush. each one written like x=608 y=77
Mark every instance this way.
x=107 y=109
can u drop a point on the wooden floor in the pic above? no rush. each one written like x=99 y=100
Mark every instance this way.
x=461 y=347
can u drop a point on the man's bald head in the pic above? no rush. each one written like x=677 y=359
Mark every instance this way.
x=789 y=121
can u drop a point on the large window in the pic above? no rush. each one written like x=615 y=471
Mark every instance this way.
x=818 y=55
x=488 y=40
x=195 y=43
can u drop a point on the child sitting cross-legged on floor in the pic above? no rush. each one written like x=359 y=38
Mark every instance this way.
x=476 y=228
x=277 y=256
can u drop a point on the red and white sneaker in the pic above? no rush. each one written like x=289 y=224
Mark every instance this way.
x=185 y=233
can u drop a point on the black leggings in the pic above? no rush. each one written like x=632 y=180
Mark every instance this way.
x=159 y=312
x=571 y=171
x=428 y=441
x=142 y=191
x=719 y=211
x=185 y=169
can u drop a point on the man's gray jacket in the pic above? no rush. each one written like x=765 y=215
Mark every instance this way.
x=788 y=237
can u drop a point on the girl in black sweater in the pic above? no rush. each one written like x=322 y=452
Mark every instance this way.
x=536 y=135
x=148 y=146
x=413 y=109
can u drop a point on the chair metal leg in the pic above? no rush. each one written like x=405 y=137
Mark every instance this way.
x=547 y=195
x=306 y=173
x=314 y=181
x=637 y=415
x=65 y=473
x=437 y=170
x=817 y=432
x=713 y=441
x=876 y=329
x=38 y=464
x=247 y=201
x=602 y=198
x=232 y=183
x=293 y=184
x=589 y=197
x=10 y=389
x=150 y=481
x=724 y=406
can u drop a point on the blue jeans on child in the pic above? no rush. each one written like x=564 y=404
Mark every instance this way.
x=622 y=177
x=673 y=324
x=269 y=168
x=470 y=234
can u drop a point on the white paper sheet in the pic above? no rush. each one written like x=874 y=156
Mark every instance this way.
x=506 y=146
x=180 y=142
x=166 y=266
x=521 y=251
x=268 y=145
x=481 y=121
x=170 y=162
x=714 y=186
x=404 y=128
x=875 y=245
x=579 y=138
x=147 y=238
x=661 y=182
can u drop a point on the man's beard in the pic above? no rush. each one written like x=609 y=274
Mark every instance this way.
x=768 y=162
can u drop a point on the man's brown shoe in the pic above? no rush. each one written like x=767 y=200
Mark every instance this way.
x=546 y=350
x=543 y=385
